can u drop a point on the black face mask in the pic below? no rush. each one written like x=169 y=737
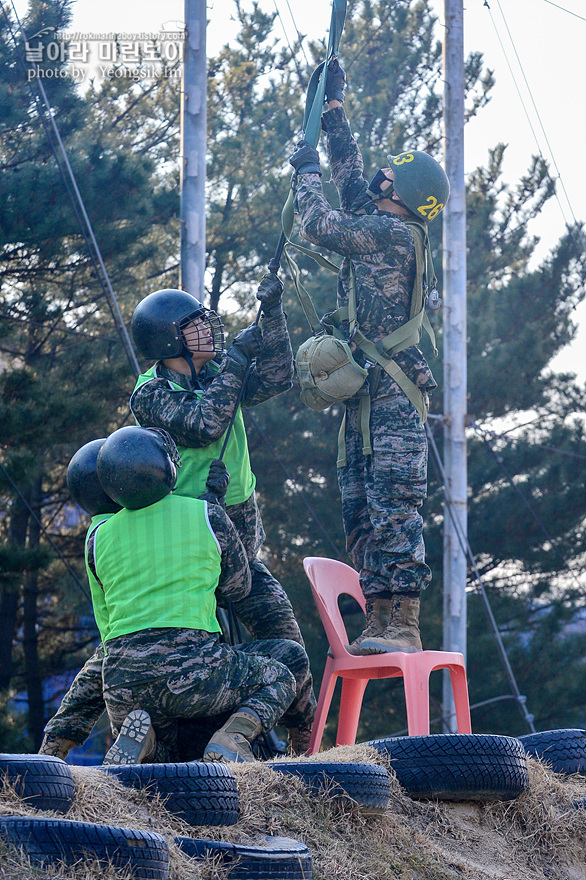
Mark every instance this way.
x=374 y=187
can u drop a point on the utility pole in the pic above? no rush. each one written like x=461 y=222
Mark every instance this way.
x=193 y=152
x=455 y=374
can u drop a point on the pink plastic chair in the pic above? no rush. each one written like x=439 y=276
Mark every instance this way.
x=329 y=578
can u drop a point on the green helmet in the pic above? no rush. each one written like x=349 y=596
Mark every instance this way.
x=421 y=183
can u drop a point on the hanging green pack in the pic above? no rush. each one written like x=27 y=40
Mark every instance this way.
x=327 y=371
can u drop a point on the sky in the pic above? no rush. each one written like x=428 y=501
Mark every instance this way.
x=534 y=47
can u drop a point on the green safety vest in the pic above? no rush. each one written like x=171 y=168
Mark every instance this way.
x=195 y=462
x=98 y=600
x=159 y=567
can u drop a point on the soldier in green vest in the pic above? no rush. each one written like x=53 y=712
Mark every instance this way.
x=160 y=562
x=382 y=465
x=192 y=391
x=83 y=703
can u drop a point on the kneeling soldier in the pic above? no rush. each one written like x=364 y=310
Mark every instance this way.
x=159 y=562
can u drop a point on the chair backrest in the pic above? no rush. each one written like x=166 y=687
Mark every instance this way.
x=329 y=578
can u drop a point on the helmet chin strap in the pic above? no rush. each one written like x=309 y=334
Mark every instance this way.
x=186 y=355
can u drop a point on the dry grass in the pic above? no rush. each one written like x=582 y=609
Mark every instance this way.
x=539 y=835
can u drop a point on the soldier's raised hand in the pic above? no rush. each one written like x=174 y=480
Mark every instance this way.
x=335 y=82
x=246 y=345
x=305 y=159
x=216 y=483
x=270 y=292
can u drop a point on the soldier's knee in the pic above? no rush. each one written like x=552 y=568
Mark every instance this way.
x=295 y=657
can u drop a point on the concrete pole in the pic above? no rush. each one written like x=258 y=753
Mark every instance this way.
x=193 y=158
x=454 y=267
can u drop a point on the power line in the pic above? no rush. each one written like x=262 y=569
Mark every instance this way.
x=575 y=227
x=467 y=550
x=47 y=117
x=581 y=17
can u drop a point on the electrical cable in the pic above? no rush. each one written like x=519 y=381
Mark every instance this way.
x=581 y=17
x=546 y=533
x=66 y=171
x=467 y=550
x=45 y=532
x=575 y=227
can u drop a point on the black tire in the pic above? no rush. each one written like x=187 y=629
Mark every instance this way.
x=474 y=767
x=42 y=781
x=200 y=793
x=280 y=857
x=46 y=841
x=563 y=750
x=367 y=785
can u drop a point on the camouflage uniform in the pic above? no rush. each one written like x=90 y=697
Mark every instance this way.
x=266 y=612
x=82 y=705
x=382 y=493
x=179 y=672
x=197 y=421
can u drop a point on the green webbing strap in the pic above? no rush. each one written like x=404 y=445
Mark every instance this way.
x=314 y=101
x=393 y=369
x=364 y=424
x=316 y=90
x=342 y=458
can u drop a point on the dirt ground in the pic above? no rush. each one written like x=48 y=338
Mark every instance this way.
x=539 y=835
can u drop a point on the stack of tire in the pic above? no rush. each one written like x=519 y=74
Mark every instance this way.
x=46 y=783
x=474 y=767
x=477 y=767
x=199 y=793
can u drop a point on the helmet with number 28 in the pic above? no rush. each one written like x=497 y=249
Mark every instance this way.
x=421 y=183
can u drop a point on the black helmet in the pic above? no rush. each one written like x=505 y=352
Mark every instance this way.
x=83 y=484
x=159 y=319
x=138 y=466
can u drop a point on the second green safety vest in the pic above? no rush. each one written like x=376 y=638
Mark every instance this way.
x=97 y=593
x=195 y=462
x=158 y=567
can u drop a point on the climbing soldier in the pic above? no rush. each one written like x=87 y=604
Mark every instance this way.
x=381 y=233
x=192 y=391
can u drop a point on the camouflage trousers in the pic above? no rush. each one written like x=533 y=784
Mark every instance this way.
x=83 y=703
x=266 y=613
x=180 y=673
x=382 y=496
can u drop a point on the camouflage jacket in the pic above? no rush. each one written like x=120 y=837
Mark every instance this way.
x=379 y=244
x=234 y=581
x=198 y=421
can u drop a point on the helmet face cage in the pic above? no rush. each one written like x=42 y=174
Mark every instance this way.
x=208 y=322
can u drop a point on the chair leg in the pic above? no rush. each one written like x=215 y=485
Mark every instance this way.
x=461 y=699
x=416 y=683
x=350 y=705
x=323 y=704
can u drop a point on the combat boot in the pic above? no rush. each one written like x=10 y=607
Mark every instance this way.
x=402 y=632
x=56 y=746
x=232 y=742
x=299 y=740
x=378 y=615
x=136 y=743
